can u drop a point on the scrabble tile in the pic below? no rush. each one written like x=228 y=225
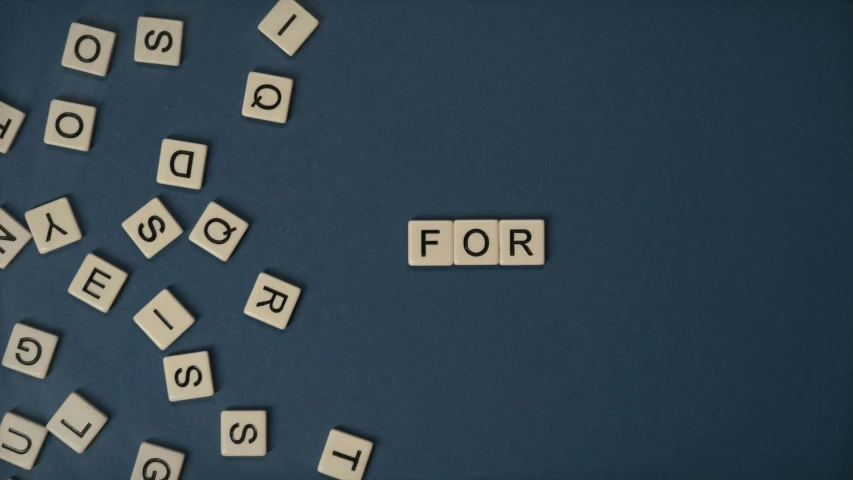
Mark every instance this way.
x=188 y=376
x=158 y=41
x=345 y=456
x=164 y=319
x=267 y=97
x=288 y=25
x=53 y=225
x=182 y=164
x=218 y=231
x=152 y=227
x=13 y=238
x=430 y=243
x=97 y=283
x=21 y=441
x=88 y=49
x=522 y=242
x=272 y=301
x=10 y=122
x=156 y=462
x=70 y=125
x=77 y=423
x=30 y=351
x=244 y=433
x=475 y=242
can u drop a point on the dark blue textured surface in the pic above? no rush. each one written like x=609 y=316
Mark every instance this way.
x=694 y=161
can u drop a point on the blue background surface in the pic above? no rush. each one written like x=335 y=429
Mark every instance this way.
x=692 y=159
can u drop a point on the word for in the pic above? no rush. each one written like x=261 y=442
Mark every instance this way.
x=476 y=242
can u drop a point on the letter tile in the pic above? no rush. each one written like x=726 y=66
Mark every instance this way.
x=152 y=227
x=243 y=433
x=430 y=243
x=182 y=164
x=77 y=423
x=267 y=97
x=10 y=122
x=88 y=49
x=272 y=301
x=218 y=231
x=53 y=225
x=13 y=238
x=30 y=351
x=158 y=41
x=288 y=25
x=70 y=125
x=522 y=242
x=97 y=283
x=164 y=319
x=154 y=462
x=345 y=456
x=21 y=440
x=188 y=376
x=475 y=242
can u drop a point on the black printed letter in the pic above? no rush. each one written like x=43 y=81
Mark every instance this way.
x=242 y=438
x=80 y=433
x=3 y=128
x=275 y=293
x=23 y=450
x=160 y=35
x=52 y=226
x=485 y=242
x=62 y=132
x=91 y=280
x=189 y=170
x=425 y=242
x=77 y=49
x=187 y=376
x=153 y=236
x=226 y=234
x=258 y=98
x=513 y=242
x=7 y=235
x=354 y=459
x=25 y=349
x=153 y=475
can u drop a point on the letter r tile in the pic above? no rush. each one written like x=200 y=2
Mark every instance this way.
x=272 y=301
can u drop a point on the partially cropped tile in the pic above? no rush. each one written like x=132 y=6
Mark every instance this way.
x=288 y=25
x=164 y=319
x=158 y=41
x=30 y=351
x=267 y=97
x=243 y=433
x=77 y=423
x=13 y=238
x=218 y=231
x=97 y=283
x=272 y=301
x=182 y=164
x=154 y=462
x=53 y=225
x=152 y=228
x=345 y=456
x=88 y=49
x=10 y=122
x=70 y=125
x=188 y=376
x=430 y=243
x=522 y=242
x=475 y=242
x=21 y=441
